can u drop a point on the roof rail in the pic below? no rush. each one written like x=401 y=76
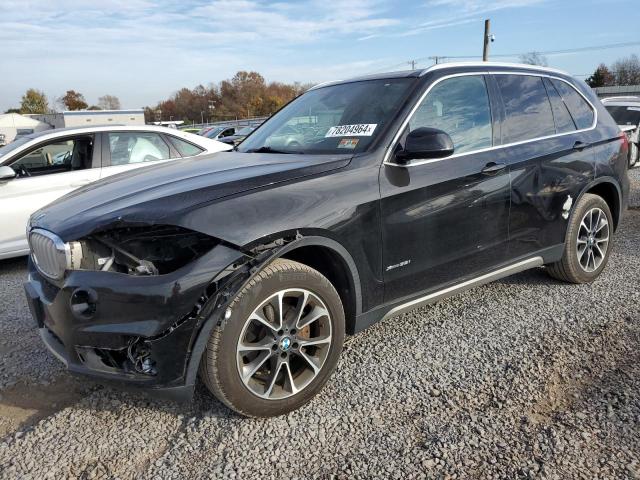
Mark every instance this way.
x=489 y=65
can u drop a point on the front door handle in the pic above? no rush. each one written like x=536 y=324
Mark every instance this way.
x=493 y=167
x=580 y=145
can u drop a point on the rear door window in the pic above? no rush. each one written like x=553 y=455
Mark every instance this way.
x=580 y=110
x=137 y=147
x=561 y=115
x=527 y=108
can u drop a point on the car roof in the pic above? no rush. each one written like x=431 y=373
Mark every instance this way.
x=622 y=97
x=621 y=101
x=208 y=144
x=444 y=66
x=61 y=132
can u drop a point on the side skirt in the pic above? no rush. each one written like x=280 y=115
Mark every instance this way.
x=405 y=305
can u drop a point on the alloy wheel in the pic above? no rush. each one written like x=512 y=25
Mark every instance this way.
x=284 y=344
x=593 y=240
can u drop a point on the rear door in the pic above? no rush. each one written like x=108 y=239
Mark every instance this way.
x=44 y=173
x=446 y=219
x=127 y=150
x=548 y=148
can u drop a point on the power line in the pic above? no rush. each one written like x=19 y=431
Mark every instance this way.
x=560 y=52
x=441 y=58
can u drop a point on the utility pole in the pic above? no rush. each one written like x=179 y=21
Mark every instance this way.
x=436 y=59
x=413 y=64
x=487 y=39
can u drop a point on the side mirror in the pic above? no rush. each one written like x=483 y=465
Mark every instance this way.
x=425 y=142
x=7 y=173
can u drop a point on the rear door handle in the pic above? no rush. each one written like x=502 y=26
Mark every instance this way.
x=580 y=145
x=493 y=167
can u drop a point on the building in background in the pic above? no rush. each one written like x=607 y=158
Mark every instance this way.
x=12 y=124
x=90 y=118
x=618 y=91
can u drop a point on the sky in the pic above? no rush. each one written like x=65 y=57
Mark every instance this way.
x=142 y=51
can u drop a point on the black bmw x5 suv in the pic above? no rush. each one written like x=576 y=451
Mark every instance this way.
x=249 y=267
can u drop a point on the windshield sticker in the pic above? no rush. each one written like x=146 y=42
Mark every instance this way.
x=635 y=109
x=349 y=143
x=358 y=130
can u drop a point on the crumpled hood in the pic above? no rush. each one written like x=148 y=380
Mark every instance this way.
x=164 y=192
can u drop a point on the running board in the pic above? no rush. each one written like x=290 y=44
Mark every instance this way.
x=461 y=287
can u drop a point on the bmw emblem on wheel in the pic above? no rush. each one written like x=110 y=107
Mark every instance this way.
x=285 y=343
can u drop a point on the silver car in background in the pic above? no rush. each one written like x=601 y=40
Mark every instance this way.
x=626 y=112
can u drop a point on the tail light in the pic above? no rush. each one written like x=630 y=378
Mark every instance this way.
x=625 y=143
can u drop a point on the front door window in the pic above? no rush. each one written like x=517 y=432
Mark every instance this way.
x=56 y=157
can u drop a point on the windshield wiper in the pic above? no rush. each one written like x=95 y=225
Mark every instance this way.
x=270 y=150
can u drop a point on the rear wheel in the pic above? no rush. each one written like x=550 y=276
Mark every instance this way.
x=280 y=344
x=588 y=242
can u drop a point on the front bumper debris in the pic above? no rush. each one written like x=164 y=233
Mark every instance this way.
x=132 y=330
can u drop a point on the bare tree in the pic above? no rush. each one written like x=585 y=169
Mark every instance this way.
x=534 y=58
x=627 y=70
x=109 y=102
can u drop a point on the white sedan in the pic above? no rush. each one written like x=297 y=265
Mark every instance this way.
x=37 y=169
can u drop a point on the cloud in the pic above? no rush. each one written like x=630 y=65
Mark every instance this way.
x=144 y=48
x=481 y=6
x=440 y=11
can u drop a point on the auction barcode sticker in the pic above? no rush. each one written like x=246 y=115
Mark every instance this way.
x=358 y=130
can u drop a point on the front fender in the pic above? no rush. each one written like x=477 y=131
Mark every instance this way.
x=218 y=303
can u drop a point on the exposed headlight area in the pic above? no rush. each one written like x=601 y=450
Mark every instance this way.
x=51 y=255
x=155 y=250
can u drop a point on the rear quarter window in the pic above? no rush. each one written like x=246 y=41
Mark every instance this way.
x=561 y=115
x=579 y=108
x=185 y=148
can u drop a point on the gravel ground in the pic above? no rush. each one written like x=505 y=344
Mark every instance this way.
x=523 y=378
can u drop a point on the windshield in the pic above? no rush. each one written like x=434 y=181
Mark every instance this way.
x=13 y=145
x=245 y=131
x=344 y=118
x=625 y=115
x=213 y=132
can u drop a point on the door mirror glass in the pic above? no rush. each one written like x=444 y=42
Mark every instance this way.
x=7 y=173
x=425 y=142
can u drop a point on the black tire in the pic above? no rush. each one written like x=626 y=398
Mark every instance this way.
x=569 y=268
x=219 y=365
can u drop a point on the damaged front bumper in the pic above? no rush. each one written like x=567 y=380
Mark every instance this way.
x=133 y=330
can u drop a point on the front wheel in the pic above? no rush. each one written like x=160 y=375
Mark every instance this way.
x=588 y=242
x=280 y=344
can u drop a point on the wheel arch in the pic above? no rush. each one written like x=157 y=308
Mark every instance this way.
x=334 y=262
x=312 y=251
x=609 y=190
